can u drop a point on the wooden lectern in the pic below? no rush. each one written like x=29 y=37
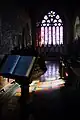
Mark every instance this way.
x=19 y=68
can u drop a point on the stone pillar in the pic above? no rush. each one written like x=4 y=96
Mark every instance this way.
x=23 y=33
x=68 y=33
x=33 y=26
x=0 y=31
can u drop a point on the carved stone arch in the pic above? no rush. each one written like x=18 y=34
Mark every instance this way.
x=75 y=16
x=76 y=23
x=61 y=13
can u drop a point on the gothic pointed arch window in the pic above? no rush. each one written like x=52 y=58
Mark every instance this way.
x=51 y=30
x=76 y=26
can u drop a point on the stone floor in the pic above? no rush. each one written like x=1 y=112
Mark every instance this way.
x=58 y=103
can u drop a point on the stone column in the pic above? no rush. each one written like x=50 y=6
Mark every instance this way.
x=0 y=31
x=33 y=27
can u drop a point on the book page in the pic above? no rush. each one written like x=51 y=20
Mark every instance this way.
x=24 y=66
x=9 y=64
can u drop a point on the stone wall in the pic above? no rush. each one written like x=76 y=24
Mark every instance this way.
x=13 y=22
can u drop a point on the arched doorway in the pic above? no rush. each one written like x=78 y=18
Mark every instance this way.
x=49 y=35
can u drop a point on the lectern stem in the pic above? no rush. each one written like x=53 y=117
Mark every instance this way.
x=24 y=106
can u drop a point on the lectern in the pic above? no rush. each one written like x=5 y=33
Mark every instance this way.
x=19 y=68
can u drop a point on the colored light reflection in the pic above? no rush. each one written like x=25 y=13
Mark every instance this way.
x=51 y=79
x=41 y=86
x=66 y=74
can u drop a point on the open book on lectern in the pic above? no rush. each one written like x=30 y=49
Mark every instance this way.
x=17 y=65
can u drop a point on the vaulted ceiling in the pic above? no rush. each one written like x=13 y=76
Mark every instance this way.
x=38 y=8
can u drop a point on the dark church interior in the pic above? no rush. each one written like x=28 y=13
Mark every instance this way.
x=39 y=60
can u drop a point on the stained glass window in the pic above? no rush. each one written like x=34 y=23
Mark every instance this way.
x=51 y=29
